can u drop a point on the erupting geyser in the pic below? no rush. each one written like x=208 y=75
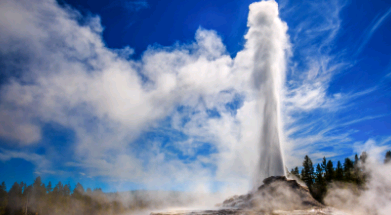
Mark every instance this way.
x=265 y=49
x=267 y=41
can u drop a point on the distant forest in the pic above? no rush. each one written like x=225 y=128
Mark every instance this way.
x=38 y=198
x=319 y=179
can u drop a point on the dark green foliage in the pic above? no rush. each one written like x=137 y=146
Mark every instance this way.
x=41 y=199
x=3 y=198
x=388 y=157
x=319 y=188
x=295 y=172
x=348 y=169
x=318 y=174
x=49 y=187
x=350 y=172
x=339 y=172
x=329 y=175
x=324 y=164
x=356 y=160
x=307 y=174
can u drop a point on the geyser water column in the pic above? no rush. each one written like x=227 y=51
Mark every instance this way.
x=267 y=43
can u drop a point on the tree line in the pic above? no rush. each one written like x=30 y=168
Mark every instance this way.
x=41 y=199
x=38 y=198
x=318 y=179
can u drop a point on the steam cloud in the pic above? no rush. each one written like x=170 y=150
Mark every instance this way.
x=59 y=72
x=268 y=41
x=376 y=197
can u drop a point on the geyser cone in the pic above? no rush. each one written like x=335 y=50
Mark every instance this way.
x=268 y=42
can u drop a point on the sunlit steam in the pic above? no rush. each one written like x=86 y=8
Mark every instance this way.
x=267 y=40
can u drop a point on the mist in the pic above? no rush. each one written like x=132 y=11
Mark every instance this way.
x=375 y=198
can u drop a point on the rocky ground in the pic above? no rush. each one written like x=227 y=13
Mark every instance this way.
x=277 y=196
x=323 y=211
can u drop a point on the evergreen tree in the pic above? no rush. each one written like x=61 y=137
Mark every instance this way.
x=295 y=172
x=41 y=199
x=78 y=192
x=387 y=159
x=45 y=200
x=324 y=164
x=329 y=173
x=3 y=198
x=307 y=174
x=67 y=190
x=58 y=190
x=38 y=194
x=363 y=157
x=29 y=202
x=49 y=187
x=339 y=172
x=348 y=169
x=319 y=174
x=356 y=160
x=15 y=199
x=319 y=189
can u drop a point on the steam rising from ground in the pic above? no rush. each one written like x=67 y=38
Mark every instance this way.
x=375 y=199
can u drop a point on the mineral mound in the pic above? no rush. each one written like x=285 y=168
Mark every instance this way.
x=277 y=195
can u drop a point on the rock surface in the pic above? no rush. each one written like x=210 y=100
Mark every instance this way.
x=277 y=195
x=322 y=211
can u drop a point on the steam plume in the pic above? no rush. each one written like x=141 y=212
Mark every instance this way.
x=268 y=41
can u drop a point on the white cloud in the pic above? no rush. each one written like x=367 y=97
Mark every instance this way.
x=68 y=77
x=39 y=161
x=314 y=116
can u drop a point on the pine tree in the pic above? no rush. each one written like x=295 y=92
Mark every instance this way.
x=3 y=198
x=49 y=187
x=348 y=168
x=339 y=172
x=307 y=174
x=38 y=195
x=29 y=201
x=78 y=192
x=363 y=157
x=58 y=189
x=356 y=160
x=67 y=190
x=15 y=202
x=89 y=191
x=319 y=174
x=295 y=172
x=324 y=164
x=387 y=159
x=319 y=189
x=23 y=199
x=329 y=173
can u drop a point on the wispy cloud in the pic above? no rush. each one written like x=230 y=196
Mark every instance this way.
x=135 y=5
x=41 y=163
x=129 y=5
x=376 y=23
x=316 y=120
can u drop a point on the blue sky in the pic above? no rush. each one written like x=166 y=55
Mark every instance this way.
x=112 y=94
